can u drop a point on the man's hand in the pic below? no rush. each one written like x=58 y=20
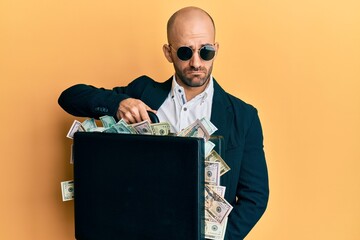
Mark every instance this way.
x=133 y=110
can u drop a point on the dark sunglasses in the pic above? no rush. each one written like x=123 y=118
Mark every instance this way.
x=206 y=52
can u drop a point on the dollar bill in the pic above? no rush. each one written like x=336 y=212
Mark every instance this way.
x=132 y=129
x=75 y=127
x=123 y=127
x=210 y=127
x=67 y=190
x=111 y=129
x=119 y=128
x=209 y=146
x=217 y=207
x=212 y=173
x=218 y=189
x=162 y=128
x=143 y=127
x=89 y=124
x=196 y=129
x=107 y=121
x=97 y=129
x=215 y=230
x=215 y=157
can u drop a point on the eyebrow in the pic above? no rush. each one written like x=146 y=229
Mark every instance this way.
x=192 y=47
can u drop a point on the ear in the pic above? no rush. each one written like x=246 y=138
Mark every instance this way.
x=217 y=46
x=167 y=52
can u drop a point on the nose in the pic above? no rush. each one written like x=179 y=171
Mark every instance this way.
x=195 y=61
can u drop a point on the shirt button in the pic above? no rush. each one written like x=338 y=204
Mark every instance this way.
x=185 y=109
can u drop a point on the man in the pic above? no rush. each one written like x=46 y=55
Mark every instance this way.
x=192 y=93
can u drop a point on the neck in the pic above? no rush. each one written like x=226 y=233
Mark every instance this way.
x=192 y=92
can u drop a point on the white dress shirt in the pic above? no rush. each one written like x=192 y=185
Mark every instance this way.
x=181 y=113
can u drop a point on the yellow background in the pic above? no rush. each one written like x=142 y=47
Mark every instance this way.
x=298 y=62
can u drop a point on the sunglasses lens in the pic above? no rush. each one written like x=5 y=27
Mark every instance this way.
x=184 y=53
x=207 y=52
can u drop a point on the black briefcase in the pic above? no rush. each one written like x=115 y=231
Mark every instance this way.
x=136 y=187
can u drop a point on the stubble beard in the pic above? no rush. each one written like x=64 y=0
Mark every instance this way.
x=190 y=81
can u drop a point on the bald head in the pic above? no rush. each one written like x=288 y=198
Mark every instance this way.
x=186 y=19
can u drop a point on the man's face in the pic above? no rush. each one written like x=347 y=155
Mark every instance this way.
x=194 y=72
x=193 y=33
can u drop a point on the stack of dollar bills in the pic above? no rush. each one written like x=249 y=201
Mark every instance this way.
x=217 y=209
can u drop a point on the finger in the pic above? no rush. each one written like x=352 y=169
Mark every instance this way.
x=127 y=117
x=134 y=110
x=128 y=109
x=136 y=114
x=144 y=114
x=150 y=110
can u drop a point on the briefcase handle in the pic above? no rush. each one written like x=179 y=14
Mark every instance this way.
x=153 y=117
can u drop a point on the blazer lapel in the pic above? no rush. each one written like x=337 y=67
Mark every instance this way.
x=155 y=93
x=222 y=117
x=221 y=113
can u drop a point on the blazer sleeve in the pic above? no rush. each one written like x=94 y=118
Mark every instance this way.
x=252 y=187
x=88 y=101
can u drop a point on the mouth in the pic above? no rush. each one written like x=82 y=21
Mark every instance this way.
x=192 y=72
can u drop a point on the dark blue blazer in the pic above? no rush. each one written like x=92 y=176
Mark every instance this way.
x=246 y=183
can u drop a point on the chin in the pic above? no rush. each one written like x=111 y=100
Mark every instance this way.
x=196 y=82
